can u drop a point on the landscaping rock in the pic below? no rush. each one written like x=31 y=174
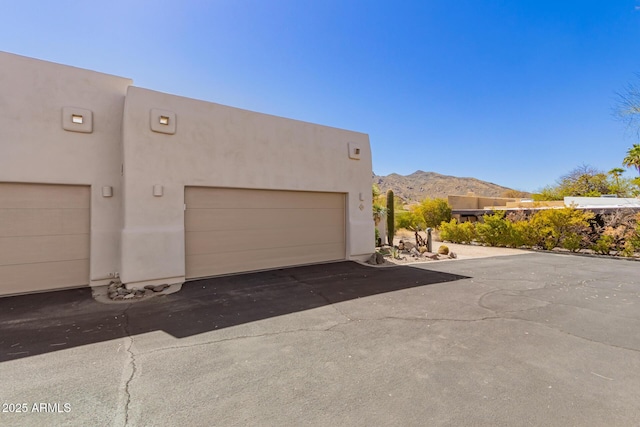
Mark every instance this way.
x=128 y=296
x=160 y=288
x=431 y=255
x=379 y=258
x=453 y=255
x=408 y=246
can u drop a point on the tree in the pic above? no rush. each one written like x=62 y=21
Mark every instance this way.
x=429 y=213
x=632 y=160
x=627 y=107
x=378 y=206
x=615 y=173
x=583 y=180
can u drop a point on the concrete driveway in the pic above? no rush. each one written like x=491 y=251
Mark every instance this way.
x=534 y=339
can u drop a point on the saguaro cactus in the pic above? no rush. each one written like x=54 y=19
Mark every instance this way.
x=390 y=217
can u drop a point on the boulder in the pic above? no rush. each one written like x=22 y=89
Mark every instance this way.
x=431 y=255
x=453 y=255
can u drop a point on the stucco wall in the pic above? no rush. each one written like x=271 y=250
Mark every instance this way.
x=134 y=233
x=34 y=148
x=221 y=146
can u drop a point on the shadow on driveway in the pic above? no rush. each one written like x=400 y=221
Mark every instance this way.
x=41 y=323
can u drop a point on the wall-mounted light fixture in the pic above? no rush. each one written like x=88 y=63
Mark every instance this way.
x=158 y=191
x=162 y=121
x=77 y=120
x=354 y=151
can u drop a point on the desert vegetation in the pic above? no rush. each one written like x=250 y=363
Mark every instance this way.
x=575 y=230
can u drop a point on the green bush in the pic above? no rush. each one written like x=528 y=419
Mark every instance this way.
x=455 y=232
x=467 y=232
x=566 y=227
x=524 y=233
x=604 y=245
x=494 y=230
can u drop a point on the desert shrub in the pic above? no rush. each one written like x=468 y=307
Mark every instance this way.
x=456 y=232
x=494 y=230
x=377 y=236
x=632 y=241
x=443 y=250
x=525 y=233
x=604 y=245
x=448 y=231
x=620 y=226
x=407 y=220
x=566 y=227
x=467 y=232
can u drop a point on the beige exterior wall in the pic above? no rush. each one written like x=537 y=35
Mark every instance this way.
x=34 y=148
x=219 y=146
x=477 y=202
x=137 y=234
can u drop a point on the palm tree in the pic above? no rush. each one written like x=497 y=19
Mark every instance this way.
x=615 y=173
x=633 y=158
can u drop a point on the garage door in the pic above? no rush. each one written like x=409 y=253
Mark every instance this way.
x=233 y=230
x=44 y=237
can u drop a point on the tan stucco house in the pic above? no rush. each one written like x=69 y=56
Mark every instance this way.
x=101 y=179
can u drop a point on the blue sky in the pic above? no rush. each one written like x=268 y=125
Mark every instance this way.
x=516 y=92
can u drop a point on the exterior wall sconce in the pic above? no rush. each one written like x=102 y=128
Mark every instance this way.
x=162 y=121
x=77 y=120
x=354 y=151
x=158 y=190
x=107 y=191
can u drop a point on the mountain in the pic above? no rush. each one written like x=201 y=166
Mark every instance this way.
x=420 y=185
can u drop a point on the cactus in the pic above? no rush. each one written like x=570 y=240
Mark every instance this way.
x=390 y=217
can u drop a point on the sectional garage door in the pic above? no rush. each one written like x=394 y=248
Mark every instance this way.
x=44 y=237
x=234 y=230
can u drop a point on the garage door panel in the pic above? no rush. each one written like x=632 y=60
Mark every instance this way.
x=236 y=230
x=21 y=278
x=37 y=222
x=239 y=240
x=44 y=237
x=222 y=219
x=36 y=249
x=260 y=259
x=226 y=198
x=44 y=196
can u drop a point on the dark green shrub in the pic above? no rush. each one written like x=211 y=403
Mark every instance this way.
x=390 y=217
